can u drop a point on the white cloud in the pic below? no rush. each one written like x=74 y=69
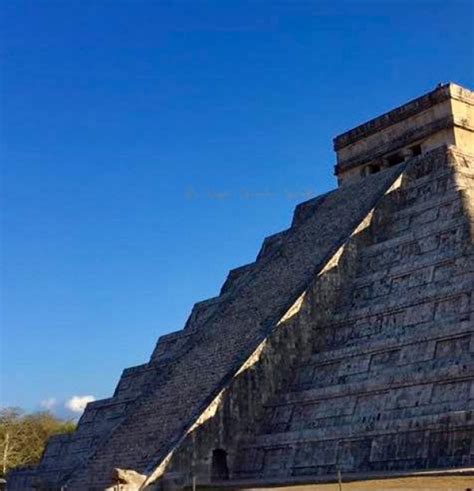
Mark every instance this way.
x=77 y=404
x=48 y=404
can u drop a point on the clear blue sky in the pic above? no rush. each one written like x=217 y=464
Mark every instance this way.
x=148 y=147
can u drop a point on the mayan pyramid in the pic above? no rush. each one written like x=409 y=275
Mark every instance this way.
x=344 y=352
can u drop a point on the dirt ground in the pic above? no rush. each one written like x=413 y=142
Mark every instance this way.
x=445 y=483
x=426 y=482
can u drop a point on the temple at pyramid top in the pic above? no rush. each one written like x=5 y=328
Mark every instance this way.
x=444 y=116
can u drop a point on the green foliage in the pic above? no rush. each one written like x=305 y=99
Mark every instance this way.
x=23 y=436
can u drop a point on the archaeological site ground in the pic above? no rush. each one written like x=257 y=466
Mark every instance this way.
x=342 y=358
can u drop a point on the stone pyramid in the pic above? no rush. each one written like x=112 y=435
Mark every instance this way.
x=345 y=351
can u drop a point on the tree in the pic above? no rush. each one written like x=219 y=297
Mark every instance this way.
x=23 y=437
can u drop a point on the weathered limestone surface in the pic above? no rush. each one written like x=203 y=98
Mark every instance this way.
x=188 y=384
x=348 y=345
x=383 y=380
x=390 y=383
x=156 y=404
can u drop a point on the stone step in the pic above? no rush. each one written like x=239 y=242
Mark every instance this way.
x=133 y=380
x=414 y=264
x=401 y=330
x=424 y=188
x=100 y=416
x=201 y=312
x=440 y=237
x=431 y=371
x=420 y=233
x=431 y=441
x=169 y=345
x=434 y=276
x=350 y=334
x=307 y=209
x=400 y=338
x=346 y=412
x=98 y=420
x=234 y=275
x=450 y=419
x=411 y=302
x=446 y=201
x=418 y=214
x=387 y=364
x=271 y=244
